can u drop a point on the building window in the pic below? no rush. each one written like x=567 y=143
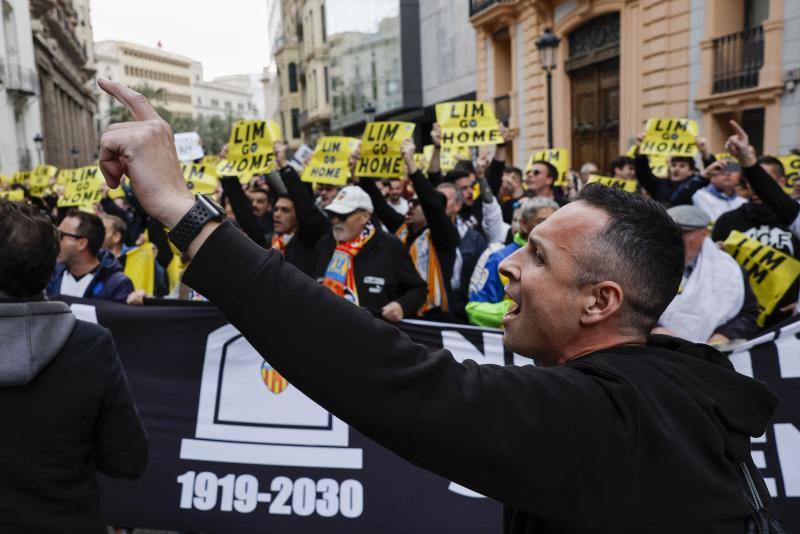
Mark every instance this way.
x=327 y=93
x=214 y=103
x=324 y=27
x=292 y=78
x=228 y=104
x=199 y=101
x=295 y=123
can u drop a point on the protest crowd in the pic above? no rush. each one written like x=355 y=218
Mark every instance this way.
x=412 y=233
x=424 y=239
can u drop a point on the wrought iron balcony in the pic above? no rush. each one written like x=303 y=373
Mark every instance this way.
x=738 y=58
x=21 y=80
x=476 y=6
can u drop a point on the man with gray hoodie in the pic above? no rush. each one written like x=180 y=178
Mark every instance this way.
x=65 y=405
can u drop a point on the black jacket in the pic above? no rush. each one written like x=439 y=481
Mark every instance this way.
x=665 y=190
x=384 y=273
x=626 y=439
x=65 y=411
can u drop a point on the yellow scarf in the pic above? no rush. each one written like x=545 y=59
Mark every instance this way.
x=279 y=242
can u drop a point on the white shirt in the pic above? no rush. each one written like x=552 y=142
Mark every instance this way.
x=713 y=205
x=401 y=207
x=75 y=288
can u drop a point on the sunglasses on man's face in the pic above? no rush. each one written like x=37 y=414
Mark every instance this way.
x=62 y=234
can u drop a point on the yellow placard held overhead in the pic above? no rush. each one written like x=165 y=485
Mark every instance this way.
x=21 y=177
x=83 y=188
x=211 y=160
x=467 y=123
x=250 y=148
x=448 y=156
x=14 y=195
x=669 y=137
x=40 y=179
x=140 y=267
x=421 y=159
x=631 y=186
x=380 y=149
x=791 y=166
x=770 y=272
x=719 y=156
x=200 y=178
x=558 y=158
x=330 y=162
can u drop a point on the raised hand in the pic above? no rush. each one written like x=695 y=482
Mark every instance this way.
x=144 y=150
x=407 y=150
x=279 y=147
x=739 y=146
x=436 y=135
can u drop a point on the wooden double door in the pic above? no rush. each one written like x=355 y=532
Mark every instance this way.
x=595 y=114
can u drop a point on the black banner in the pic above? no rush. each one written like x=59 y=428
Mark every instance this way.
x=235 y=448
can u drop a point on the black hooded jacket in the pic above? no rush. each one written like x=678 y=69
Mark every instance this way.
x=628 y=439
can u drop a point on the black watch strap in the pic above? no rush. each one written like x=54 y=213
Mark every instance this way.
x=203 y=211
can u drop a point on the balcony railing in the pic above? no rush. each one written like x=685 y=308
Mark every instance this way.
x=476 y=6
x=738 y=58
x=21 y=80
x=502 y=108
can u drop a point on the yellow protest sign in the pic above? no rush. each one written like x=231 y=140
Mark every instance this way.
x=21 y=177
x=250 y=149
x=669 y=137
x=380 y=149
x=791 y=166
x=40 y=179
x=200 y=178
x=770 y=272
x=448 y=156
x=14 y=195
x=422 y=161
x=211 y=160
x=119 y=192
x=83 y=188
x=467 y=123
x=329 y=163
x=140 y=267
x=631 y=186
x=558 y=157
x=719 y=156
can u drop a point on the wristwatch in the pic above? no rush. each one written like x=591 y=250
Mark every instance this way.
x=203 y=211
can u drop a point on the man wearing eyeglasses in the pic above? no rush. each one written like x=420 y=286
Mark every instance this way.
x=84 y=269
x=364 y=264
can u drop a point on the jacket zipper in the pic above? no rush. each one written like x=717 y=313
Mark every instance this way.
x=751 y=486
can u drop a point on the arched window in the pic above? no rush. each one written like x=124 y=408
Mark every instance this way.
x=292 y=78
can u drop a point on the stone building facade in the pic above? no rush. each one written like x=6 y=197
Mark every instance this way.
x=62 y=41
x=623 y=61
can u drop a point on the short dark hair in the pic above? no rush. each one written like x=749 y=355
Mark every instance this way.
x=620 y=161
x=91 y=227
x=771 y=160
x=455 y=174
x=464 y=165
x=514 y=170
x=685 y=159
x=28 y=249
x=552 y=172
x=641 y=248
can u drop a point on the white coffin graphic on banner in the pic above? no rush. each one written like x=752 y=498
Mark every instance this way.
x=249 y=414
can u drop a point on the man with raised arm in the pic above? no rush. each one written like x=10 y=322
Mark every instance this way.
x=616 y=433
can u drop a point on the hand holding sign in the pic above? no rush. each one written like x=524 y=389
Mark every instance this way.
x=739 y=146
x=407 y=149
x=144 y=150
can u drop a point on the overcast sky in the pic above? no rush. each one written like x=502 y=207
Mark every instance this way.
x=228 y=37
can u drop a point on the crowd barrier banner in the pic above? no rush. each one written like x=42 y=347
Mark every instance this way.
x=233 y=448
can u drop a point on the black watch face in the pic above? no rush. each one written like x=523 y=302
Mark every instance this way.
x=212 y=205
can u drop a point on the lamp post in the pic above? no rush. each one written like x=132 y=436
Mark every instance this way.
x=39 y=142
x=369 y=112
x=74 y=151
x=548 y=45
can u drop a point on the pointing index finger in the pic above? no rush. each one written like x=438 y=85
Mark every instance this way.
x=738 y=129
x=139 y=106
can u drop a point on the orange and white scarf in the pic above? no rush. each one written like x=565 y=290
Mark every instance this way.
x=279 y=242
x=425 y=259
x=339 y=275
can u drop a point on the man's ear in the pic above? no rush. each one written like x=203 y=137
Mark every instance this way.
x=602 y=300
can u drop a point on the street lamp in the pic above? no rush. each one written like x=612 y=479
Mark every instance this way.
x=74 y=151
x=548 y=45
x=369 y=111
x=39 y=141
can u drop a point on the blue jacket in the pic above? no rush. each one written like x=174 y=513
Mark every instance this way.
x=109 y=283
x=488 y=303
